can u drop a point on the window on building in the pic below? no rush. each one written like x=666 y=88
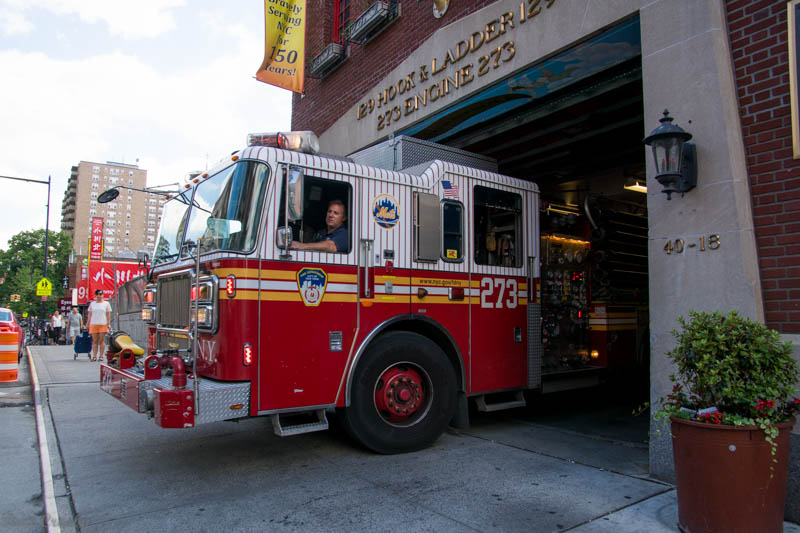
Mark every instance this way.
x=94 y=195
x=94 y=186
x=341 y=18
x=93 y=203
x=96 y=169
x=92 y=211
x=130 y=173
x=95 y=178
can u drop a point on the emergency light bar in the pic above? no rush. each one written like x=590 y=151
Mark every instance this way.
x=298 y=141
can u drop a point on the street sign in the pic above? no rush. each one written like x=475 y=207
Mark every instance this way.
x=44 y=287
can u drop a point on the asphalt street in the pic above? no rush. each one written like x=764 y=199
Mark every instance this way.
x=114 y=470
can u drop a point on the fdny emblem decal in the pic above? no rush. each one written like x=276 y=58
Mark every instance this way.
x=385 y=211
x=312 y=283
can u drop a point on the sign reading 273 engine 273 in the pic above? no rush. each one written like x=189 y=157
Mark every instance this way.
x=429 y=84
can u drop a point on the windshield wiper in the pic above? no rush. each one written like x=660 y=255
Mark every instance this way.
x=165 y=257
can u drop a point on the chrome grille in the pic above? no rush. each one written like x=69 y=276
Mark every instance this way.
x=174 y=293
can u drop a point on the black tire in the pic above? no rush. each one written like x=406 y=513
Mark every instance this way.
x=401 y=354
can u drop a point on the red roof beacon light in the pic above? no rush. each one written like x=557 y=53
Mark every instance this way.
x=297 y=141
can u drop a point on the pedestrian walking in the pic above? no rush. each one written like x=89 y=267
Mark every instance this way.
x=75 y=324
x=99 y=322
x=57 y=323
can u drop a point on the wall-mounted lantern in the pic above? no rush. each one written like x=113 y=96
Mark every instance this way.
x=676 y=159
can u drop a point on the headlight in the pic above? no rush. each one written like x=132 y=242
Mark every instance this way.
x=206 y=289
x=204 y=316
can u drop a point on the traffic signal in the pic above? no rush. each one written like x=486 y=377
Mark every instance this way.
x=15 y=297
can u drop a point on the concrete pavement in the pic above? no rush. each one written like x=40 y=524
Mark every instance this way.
x=497 y=475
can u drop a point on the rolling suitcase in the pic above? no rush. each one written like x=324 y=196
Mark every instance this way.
x=83 y=344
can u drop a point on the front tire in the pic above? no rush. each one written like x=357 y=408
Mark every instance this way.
x=403 y=394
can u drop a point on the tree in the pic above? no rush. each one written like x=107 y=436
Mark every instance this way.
x=21 y=268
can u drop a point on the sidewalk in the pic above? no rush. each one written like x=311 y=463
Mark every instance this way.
x=652 y=506
x=21 y=504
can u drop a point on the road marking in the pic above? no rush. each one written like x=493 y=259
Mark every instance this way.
x=48 y=494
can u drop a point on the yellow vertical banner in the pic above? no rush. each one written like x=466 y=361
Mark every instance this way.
x=284 y=46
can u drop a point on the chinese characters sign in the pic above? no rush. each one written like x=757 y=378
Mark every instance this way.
x=96 y=242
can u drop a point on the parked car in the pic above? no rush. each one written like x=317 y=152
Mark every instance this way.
x=8 y=322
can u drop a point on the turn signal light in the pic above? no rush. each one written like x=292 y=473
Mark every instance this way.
x=594 y=354
x=247 y=354
x=230 y=286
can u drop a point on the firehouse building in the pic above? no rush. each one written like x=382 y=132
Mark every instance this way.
x=562 y=93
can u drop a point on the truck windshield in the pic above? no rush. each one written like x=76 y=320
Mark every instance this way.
x=170 y=234
x=226 y=208
x=222 y=214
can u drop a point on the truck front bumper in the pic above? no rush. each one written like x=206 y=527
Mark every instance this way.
x=176 y=407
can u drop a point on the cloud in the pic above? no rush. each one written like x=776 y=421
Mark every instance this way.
x=130 y=20
x=118 y=106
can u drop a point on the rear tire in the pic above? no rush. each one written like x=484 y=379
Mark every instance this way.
x=403 y=394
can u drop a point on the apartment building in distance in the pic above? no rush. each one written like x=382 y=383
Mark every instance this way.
x=130 y=221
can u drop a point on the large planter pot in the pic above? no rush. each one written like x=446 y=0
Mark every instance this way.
x=724 y=479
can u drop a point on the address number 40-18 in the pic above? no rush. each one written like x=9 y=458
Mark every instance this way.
x=677 y=246
x=497 y=293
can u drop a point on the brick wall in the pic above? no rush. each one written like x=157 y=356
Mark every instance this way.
x=326 y=99
x=758 y=35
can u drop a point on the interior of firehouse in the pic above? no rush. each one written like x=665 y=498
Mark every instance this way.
x=582 y=145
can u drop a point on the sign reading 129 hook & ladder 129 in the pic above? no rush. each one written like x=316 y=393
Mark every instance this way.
x=284 y=44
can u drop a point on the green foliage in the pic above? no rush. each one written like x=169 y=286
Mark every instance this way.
x=21 y=267
x=739 y=367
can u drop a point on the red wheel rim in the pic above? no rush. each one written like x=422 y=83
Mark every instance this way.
x=400 y=394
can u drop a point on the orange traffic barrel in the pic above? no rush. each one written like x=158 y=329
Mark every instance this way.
x=9 y=348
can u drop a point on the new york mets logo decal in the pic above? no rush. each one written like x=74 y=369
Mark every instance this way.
x=385 y=211
x=312 y=282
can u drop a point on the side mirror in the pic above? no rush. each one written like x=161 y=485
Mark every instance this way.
x=294 y=189
x=143 y=261
x=283 y=237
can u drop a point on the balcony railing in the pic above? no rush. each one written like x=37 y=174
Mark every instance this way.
x=373 y=21
x=327 y=60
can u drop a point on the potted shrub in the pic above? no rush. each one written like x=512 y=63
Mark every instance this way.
x=731 y=408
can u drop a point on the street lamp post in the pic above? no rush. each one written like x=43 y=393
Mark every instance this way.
x=46 y=223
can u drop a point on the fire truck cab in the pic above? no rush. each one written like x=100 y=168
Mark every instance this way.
x=430 y=298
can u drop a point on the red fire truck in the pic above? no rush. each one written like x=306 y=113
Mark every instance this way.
x=431 y=299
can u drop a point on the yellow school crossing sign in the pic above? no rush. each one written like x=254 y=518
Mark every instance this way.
x=44 y=287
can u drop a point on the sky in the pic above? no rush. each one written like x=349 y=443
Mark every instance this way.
x=168 y=83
